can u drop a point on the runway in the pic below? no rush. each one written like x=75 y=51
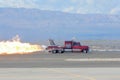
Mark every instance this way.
x=60 y=74
x=66 y=60
x=67 y=66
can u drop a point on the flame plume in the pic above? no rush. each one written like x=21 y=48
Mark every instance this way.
x=15 y=46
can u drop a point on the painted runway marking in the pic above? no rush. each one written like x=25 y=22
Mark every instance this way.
x=94 y=59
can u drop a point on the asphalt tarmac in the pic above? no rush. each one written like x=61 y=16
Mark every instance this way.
x=67 y=66
x=60 y=74
x=66 y=60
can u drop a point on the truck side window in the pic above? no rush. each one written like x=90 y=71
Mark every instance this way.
x=68 y=46
x=76 y=44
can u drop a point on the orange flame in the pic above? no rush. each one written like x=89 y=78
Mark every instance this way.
x=15 y=46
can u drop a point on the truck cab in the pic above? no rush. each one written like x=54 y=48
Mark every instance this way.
x=73 y=46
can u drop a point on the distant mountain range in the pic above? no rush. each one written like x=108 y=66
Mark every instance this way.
x=35 y=25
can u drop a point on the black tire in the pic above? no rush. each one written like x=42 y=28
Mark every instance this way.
x=60 y=51
x=85 y=51
x=54 y=51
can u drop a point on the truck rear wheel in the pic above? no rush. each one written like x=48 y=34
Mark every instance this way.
x=60 y=51
x=85 y=51
x=54 y=51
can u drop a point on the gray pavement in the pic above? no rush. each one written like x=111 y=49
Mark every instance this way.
x=47 y=66
x=60 y=74
x=49 y=60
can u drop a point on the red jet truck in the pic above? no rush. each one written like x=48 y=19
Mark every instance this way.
x=69 y=46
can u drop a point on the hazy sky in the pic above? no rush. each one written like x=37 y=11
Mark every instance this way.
x=72 y=6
